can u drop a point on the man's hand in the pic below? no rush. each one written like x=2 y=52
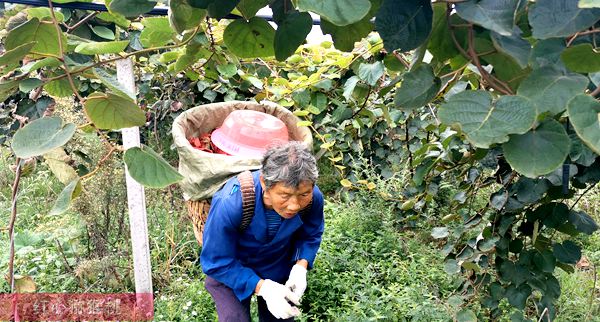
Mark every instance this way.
x=297 y=280
x=277 y=296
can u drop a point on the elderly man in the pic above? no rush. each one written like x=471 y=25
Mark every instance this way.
x=270 y=255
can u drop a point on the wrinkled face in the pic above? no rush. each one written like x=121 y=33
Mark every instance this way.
x=286 y=200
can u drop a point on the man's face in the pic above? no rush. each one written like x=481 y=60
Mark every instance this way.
x=286 y=200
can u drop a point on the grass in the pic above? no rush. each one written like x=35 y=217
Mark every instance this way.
x=367 y=269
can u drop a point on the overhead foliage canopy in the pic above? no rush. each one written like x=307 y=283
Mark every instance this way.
x=480 y=93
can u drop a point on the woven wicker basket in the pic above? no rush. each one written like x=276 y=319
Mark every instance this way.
x=197 y=213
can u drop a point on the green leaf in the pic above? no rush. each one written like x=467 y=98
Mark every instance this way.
x=58 y=162
x=113 y=84
x=27 y=85
x=439 y=232
x=60 y=87
x=419 y=86
x=150 y=169
x=42 y=32
x=466 y=315
x=291 y=33
x=584 y=113
x=404 y=25
x=103 y=32
x=227 y=70
x=422 y=170
x=42 y=13
x=589 y=4
x=583 y=222
x=544 y=261
x=484 y=122
x=131 y=8
x=581 y=58
x=539 y=151
x=35 y=65
x=184 y=17
x=118 y=19
x=344 y=37
x=97 y=48
x=496 y=15
x=517 y=296
x=567 y=252
x=440 y=45
x=371 y=73
x=530 y=190
x=110 y=111
x=249 y=8
x=349 y=86
x=513 y=45
x=7 y=88
x=41 y=136
x=249 y=39
x=553 y=214
x=216 y=8
x=15 y=55
x=63 y=202
x=547 y=53
x=559 y=18
x=451 y=266
x=157 y=32
x=551 y=89
x=338 y=12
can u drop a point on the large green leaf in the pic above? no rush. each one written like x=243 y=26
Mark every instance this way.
x=545 y=261
x=183 y=17
x=249 y=39
x=110 y=81
x=46 y=62
x=589 y=4
x=338 y=12
x=249 y=8
x=157 y=32
x=583 y=222
x=539 y=151
x=440 y=45
x=291 y=33
x=60 y=87
x=15 y=55
x=584 y=113
x=41 y=136
x=344 y=37
x=582 y=58
x=551 y=89
x=97 y=48
x=559 y=18
x=42 y=32
x=517 y=296
x=131 y=8
x=484 y=122
x=58 y=162
x=466 y=315
x=404 y=25
x=149 y=168
x=371 y=73
x=567 y=252
x=63 y=202
x=7 y=88
x=419 y=86
x=110 y=111
x=216 y=8
x=547 y=53
x=103 y=32
x=496 y=15
x=41 y=13
x=513 y=45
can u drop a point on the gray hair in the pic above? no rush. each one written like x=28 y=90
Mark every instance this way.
x=290 y=164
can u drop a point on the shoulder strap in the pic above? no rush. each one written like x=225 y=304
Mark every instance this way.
x=248 y=198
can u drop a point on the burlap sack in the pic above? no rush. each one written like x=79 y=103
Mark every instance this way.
x=204 y=173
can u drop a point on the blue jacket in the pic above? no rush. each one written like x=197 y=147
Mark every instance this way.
x=240 y=259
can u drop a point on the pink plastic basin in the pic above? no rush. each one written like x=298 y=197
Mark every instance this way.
x=249 y=133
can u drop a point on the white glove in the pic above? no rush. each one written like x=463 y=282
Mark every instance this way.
x=276 y=296
x=297 y=280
